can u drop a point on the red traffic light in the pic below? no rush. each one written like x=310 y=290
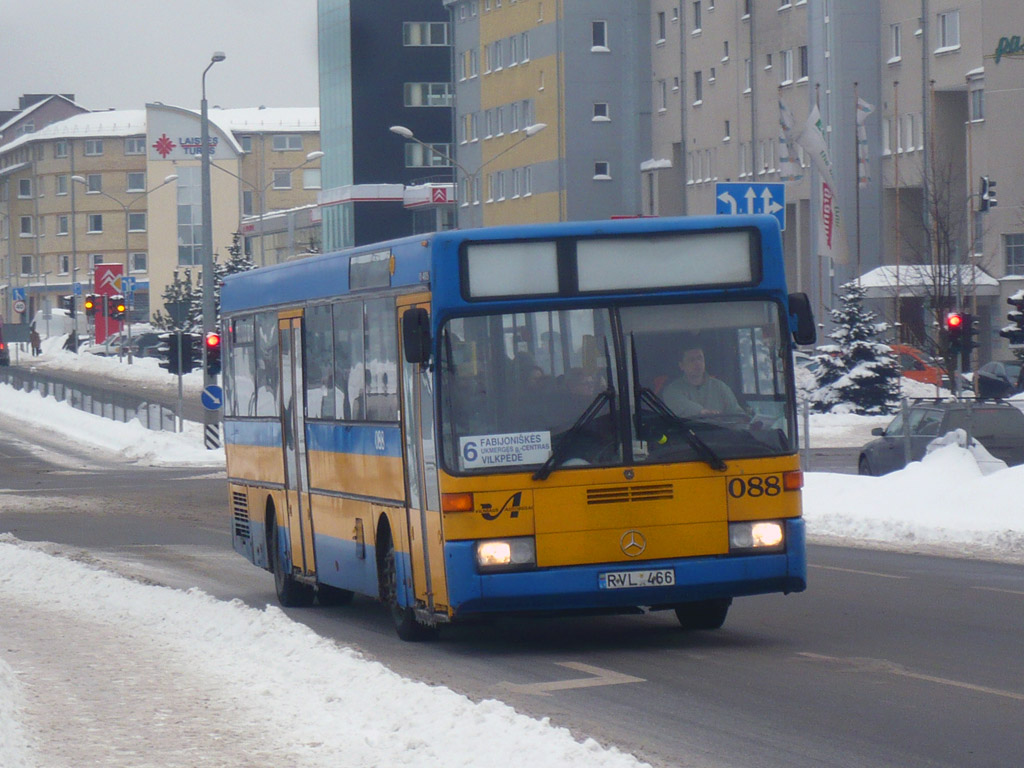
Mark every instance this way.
x=954 y=321
x=212 y=340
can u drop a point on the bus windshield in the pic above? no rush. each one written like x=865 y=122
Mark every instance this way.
x=703 y=382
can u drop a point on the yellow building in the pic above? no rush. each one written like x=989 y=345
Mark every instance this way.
x=123 y=186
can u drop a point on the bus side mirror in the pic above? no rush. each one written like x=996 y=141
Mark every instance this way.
x=416 y=335
x=800 y=307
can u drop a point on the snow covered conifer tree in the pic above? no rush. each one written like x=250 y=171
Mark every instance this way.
x=856 y=374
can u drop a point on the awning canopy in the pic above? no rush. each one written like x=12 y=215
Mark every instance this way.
x=918 y=280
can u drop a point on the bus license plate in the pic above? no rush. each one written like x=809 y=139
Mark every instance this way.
x=664 y=577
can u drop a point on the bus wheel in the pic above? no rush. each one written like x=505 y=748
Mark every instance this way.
x=290 y=592
x=704 y=614
x=333 y=596
x=404 y=619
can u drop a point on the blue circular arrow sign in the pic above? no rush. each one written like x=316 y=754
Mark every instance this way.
x=213 y=397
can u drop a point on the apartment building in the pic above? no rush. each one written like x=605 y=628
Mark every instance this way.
x=36 y=111
x=378 y=69
x=551 y=108
x=123 y=186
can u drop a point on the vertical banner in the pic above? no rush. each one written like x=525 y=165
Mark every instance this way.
x=863 y=110
x=107 y=282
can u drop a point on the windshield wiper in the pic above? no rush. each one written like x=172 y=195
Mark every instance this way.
x=558 y=452
x=643 y=395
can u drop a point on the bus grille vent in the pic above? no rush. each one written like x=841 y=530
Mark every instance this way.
x=240 y=508
x=625 y=494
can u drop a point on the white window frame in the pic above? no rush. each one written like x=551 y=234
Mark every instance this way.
x=425 y=30
x=786 y=67
x=94 y=183
x=93 y=147
x=26 y=227
x=62 y=223
x=282 y=179
x=895 y=44
x=95 y=223
x=60 y=149
x=25 y=188
x=133 y=261
x=64 y=263
x=949 y=31
x=602 y=170
x=62 y=184
x=140 y=217
x=697 y=20
x=311 y=178
x=602 y=112
x=135 y=145
x=599 y=36
x=287 y=142
x=128 y=181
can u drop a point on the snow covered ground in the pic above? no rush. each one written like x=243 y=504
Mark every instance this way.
x=110 y=671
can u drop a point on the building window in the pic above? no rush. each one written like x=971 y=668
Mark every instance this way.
x=425 y=33
x=95 y=259
x=429 y=156
x=698 y=88
x=282 y=179
x=887 y=136
x=245 y=142
x=725 y=50
x=1013 y=245
x=93 y=147
x=62 y=224
x=767 y=61
x=728 y=131
x=662 y=26
x=895 y=43
x=696 y=17
x=977 y=104
x=311 y=178
x=26 y=265
x=599 y=36
x=805 y=63
x=190 y=216
x=136 y=181
x=138 y=262
x=602 y=170
x=663 y=91
x=62 y=184
x=135 y=145
x=24 y=187
x=428 y=94
x=26 y=226
x=247 y=207
x=94 y=183
x=95 y=222
x=287 y=142
x=748 y=75
x=949 y=30
x=137 y=222
x=60 y=149
x=64 y=262
x=786 y=67
x=601 y=114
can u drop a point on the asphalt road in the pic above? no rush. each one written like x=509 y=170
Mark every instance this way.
x=887 y=659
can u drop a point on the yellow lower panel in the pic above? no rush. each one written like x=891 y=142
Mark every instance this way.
x=253 y=462
x=606 y=546
x=363 y=475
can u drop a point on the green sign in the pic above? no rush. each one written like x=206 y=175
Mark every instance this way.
x=1009 y=46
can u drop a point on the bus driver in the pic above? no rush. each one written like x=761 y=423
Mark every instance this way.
x=696 y=393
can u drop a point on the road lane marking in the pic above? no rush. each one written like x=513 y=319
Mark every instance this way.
x=861 y=573
x=598 y=677
x=1004 y=591
x=892 y=668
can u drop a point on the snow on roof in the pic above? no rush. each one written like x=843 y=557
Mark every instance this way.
x=29 y=110
x=920 y=275
x=132 y=122
x=653 y=165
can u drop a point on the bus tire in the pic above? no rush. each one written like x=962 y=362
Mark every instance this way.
x=404 y=618
x=291 y=593
x=703 y=614
x=333 y=597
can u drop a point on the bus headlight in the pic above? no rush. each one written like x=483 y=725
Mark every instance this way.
x=760 y=535
x=506 y=554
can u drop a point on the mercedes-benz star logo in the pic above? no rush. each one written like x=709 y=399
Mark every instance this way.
x=633 y=543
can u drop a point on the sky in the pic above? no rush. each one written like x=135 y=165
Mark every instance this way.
x=113 y=54
x=166 y=659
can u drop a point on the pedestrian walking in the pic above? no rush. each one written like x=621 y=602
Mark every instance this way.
x=35 y=342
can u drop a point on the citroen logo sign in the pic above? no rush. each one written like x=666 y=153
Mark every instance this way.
x=633 y=543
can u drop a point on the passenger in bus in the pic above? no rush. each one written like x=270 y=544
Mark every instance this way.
x=696 y=392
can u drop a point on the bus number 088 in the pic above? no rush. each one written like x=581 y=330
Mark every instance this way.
x=754 y=487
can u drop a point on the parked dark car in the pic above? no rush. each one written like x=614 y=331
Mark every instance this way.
x=998 y=379
x=146 y=344
x=997 y=426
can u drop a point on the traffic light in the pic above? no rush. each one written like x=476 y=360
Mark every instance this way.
x=90 y=304
x=1015 y=332
x=68 y=303
x=988 y=194
x=213 y=353
x=178 y=352
x=117 y=308
x=954 y=333
x=967 y=342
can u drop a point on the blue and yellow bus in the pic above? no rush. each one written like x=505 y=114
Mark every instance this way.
x=512 y=420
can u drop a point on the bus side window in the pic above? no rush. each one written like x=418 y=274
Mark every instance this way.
x=267 y=363
x=348 y=359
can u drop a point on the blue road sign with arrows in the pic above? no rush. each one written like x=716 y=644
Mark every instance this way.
x=733 y=198
x=212 y=397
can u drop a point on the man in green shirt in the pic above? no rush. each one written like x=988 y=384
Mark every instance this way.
x=696 y=393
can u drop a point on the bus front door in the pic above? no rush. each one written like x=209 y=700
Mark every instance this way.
x=426 y=545
x=293 y=429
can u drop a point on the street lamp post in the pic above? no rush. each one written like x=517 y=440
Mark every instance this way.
x=311 y=157
x=530 y=130
x=126 y=207
x=211 y=438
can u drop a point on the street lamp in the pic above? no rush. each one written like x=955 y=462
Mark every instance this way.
x=127 y=255
x=210 y=431
x=530 y=130
x=261 y=193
